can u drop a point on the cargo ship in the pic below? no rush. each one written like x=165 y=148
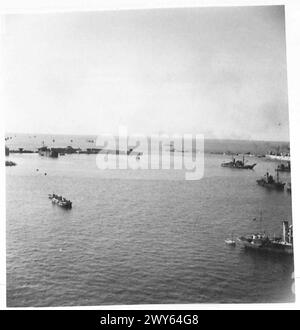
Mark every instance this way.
x=262 y=242
x=239 y=164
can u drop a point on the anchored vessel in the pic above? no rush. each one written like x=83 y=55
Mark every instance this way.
x=284 y=168
x=263 y=242
x=61 y=201
x=240 y=164
x=10 y=163
x=48 y=152
x=268 y=181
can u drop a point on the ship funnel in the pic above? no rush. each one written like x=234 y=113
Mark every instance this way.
x=285 y=231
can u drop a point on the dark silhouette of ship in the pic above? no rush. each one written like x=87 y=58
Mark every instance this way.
x=10 y=163
x=284 y=167
x=239 y=164
x=262 y=242
x=268 y=181
x=61 y=201
x=48 y=152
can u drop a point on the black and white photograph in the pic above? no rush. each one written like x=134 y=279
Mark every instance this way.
x=147 y=157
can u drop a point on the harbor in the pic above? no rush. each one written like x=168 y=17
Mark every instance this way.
x=189 y=232
x=147 y=157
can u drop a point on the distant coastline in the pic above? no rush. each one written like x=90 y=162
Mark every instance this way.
x=29 y=143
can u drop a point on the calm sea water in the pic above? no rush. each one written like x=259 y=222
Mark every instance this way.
x=139 y=237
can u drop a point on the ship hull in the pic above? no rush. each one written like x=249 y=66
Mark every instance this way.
x=62 y=204
x=276 y=186
x=245 y=167
x=283 y=170
x=270 y=246
x=271 y=249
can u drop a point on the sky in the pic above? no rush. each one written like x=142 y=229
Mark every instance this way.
x=220 y=72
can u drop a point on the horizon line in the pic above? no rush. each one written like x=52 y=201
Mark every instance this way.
x=159 y=134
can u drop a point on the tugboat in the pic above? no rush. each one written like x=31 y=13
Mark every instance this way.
x=262 y=242
x=284 y=168
x=61 y=201
x=268 y=181
x=240 y=164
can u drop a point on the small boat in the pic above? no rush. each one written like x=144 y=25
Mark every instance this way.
x=61 y=201
x=10 y=163
x=284 y=168
x=230 y=242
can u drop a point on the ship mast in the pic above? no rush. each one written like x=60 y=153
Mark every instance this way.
x=260 y=221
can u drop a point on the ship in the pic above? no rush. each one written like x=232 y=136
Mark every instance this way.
x=268 y=181
x=239 y=164
x=48 y=152
x=10 y=163
x=284 y=167
x=262 y=242
x=61 y=201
